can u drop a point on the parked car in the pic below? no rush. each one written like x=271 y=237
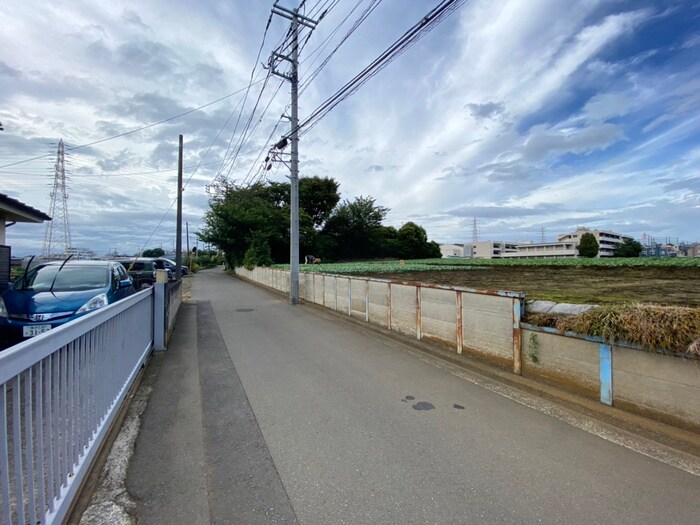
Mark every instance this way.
x=52 y=293
x=143 y=270
x=172 y=265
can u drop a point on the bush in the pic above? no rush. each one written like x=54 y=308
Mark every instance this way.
x=258 y=254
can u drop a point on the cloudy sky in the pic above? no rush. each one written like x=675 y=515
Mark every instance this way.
x=534 y=116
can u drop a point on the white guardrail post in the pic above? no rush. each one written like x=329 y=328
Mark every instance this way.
x=159 y=322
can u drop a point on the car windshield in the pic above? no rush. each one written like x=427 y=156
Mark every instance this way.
x=69 y=279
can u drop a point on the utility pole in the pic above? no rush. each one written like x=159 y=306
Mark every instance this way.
x=187 y=236
x=178 y=240
x=293 y=78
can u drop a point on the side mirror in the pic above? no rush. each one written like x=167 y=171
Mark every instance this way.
x=125 y=283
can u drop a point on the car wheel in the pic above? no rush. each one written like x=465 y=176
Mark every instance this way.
x=145 y=286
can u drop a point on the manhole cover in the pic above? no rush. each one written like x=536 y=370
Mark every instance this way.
x=245 y=309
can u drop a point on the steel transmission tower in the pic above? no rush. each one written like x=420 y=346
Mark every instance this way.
x=293 y=78
x=58 y=229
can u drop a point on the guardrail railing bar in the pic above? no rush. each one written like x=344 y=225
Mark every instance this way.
x=48 y=426
x=70 y=407
x=29 y=448
x=63 y=407
x=55 y=425
x=17 y=446
x=39 y=389
x=4 y=463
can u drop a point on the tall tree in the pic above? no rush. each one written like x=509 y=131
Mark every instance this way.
x=354 y=229
x=588 y=246
x=413 y=243
x=261 y=212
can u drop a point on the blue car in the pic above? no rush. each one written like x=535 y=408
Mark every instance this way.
x=51 y=294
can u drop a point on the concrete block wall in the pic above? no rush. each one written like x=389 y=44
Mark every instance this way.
x=569 y=362
x=379 y=302
x=403 y=309
x=438 y=310
x=663 y=386
x=488 y=324
x=439 y=314
x=656 y=383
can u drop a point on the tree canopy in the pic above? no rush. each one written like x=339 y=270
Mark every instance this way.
x=588 y=247
x=629 y=248
x=153 y=252
x=251 y=225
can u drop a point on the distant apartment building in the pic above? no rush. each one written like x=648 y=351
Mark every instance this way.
x=661 y=250
x=566 y=245
x=543 y=250
x=493 y=249
x=693 y=251
x=80 y=253
x=607 y=240
x=456 y=250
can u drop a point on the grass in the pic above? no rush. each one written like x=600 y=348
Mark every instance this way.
x=674 y=329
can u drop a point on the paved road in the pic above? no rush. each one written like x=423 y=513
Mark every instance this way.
x=307 y=418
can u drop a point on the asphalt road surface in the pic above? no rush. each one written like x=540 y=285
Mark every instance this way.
x=312 y=419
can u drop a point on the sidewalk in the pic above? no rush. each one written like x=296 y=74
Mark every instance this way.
x=200 y=457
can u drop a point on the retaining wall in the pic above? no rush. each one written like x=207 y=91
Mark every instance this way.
x=488 y=324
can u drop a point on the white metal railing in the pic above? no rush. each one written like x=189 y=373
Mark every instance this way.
x=59 y=393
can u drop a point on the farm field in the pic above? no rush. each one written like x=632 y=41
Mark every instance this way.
x=673 y=282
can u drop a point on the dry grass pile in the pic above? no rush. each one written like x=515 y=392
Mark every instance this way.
x=671 y=328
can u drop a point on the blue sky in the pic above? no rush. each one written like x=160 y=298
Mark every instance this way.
x=524 y=114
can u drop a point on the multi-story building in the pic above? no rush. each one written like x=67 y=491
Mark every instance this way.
x=493 y=249
x=565 y=246
x=607 y=240
x=543 y=250
x=455 y=250
x=80 y=253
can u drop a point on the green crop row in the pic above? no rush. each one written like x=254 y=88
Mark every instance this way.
x=378 y=267
x=573 y=262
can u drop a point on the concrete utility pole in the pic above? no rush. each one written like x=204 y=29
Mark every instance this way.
x=178 y=240
x=293 y=78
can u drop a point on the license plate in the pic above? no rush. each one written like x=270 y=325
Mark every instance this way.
x=31 y=331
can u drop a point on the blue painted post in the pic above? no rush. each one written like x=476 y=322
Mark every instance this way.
x=606 y=387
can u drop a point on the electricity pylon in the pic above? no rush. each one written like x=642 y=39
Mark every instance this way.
x=58 y=230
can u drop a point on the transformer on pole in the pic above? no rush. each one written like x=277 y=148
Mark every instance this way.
x=57 y=236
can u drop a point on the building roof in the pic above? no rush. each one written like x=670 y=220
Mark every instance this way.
x=14 y=210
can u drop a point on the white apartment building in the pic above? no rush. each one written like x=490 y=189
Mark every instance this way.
x=455 y=250
x=543 y=250
x=493 y=249
x=607 y=240
x=565 y=246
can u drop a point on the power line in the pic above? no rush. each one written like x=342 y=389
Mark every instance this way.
x=410 y=37
x=174 y=117
x=262 y=115
x=363 y=16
